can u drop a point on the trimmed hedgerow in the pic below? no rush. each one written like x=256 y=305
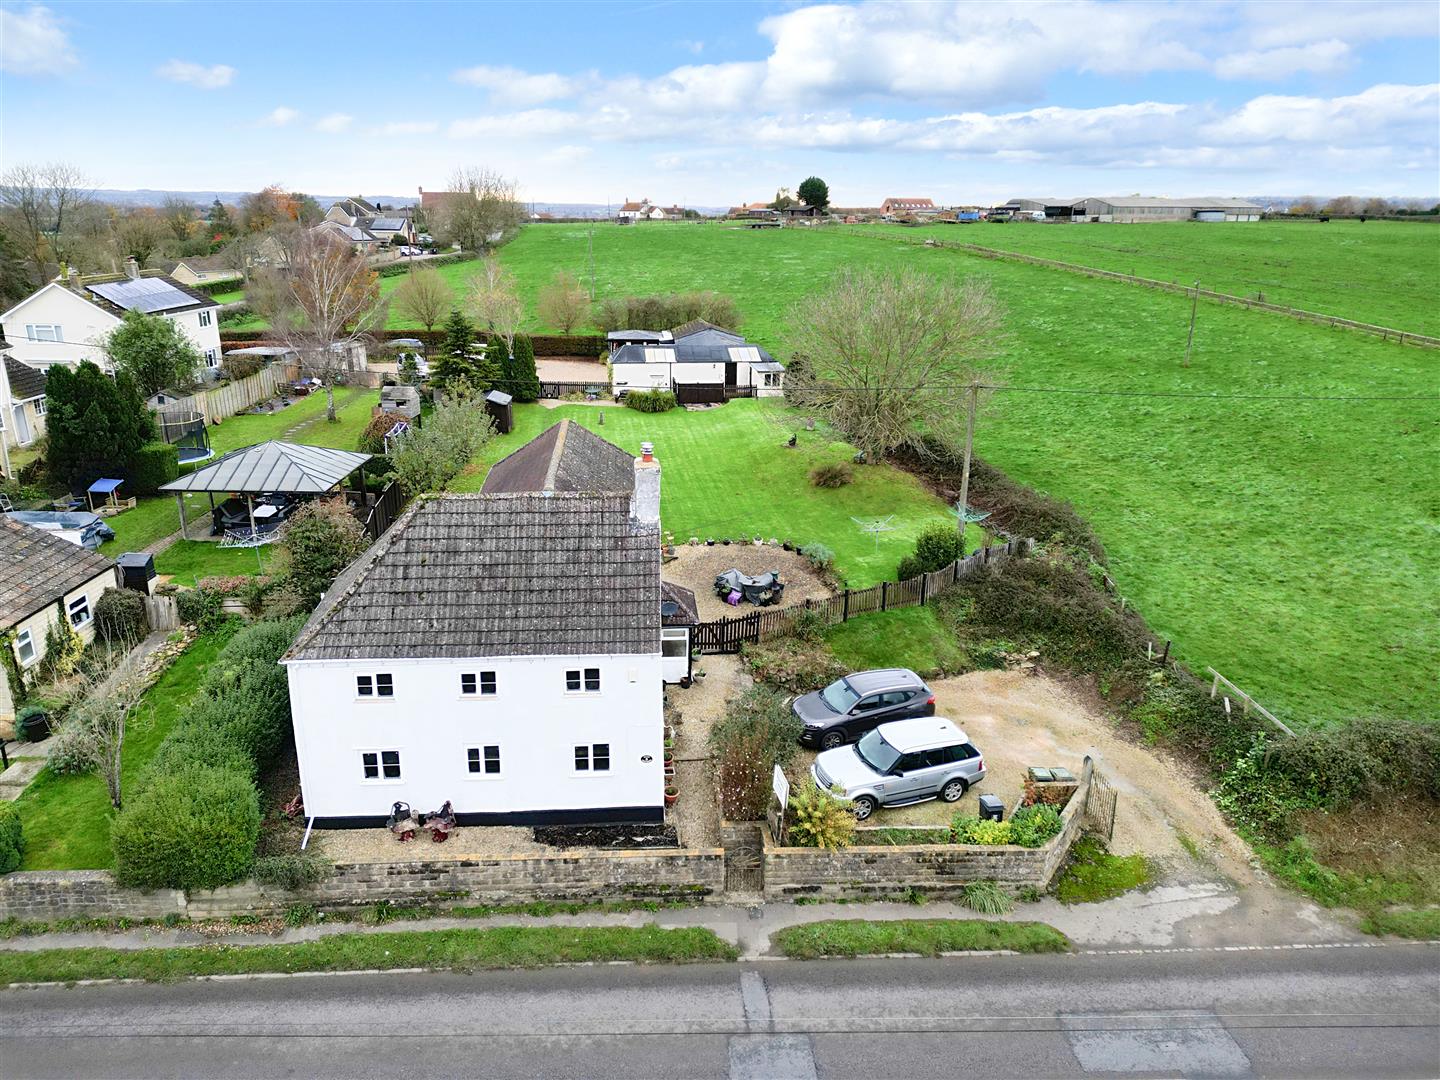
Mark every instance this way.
x=120 y=615
x=195 y=828
x=12 y=838
x=650 y=401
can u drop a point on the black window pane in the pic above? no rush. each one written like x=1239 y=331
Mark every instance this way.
x=572 y=680
x=492 y=759
x=487 y=682
x=601 y=754
x=370 y=765
x=390 y=764
x=592 y=679
x=473 y=756
x=582 y=758
x=467 y=684
x=384 y=686
x=363 y=686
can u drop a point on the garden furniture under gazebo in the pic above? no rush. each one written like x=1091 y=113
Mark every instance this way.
x=269 y=468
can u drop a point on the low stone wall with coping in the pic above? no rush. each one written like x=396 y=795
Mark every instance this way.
x=863 y=872
x=590 y=875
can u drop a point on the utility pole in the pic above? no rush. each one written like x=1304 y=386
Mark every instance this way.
x=1194 y=303
x=974 y=395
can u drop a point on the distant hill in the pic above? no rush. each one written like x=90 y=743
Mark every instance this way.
x=155 y=197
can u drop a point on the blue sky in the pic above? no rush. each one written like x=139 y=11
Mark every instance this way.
x=715 y=104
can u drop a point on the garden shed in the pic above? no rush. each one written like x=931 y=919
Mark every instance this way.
x=498 y=405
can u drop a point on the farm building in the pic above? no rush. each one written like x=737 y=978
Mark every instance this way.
x=907 y=207
x=700 y=363
x=1133 y=208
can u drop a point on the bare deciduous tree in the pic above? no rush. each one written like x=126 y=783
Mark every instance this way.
x=564 y=302
x=181 y=217
x=110 y=689
x=138 y=234
x=481 y=212
x=888 y=357
x=495 y=302
x=37 y=202
x=331 y=304
x=424 y=296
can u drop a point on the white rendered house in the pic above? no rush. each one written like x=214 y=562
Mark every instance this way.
x=501 y=651
x=697 y=357
x=67 y=321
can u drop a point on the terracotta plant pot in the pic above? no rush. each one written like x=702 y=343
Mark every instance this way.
x=671 y=795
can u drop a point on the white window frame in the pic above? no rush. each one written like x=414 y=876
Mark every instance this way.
x=204 y=316
x=39 y=405
x=79 y=606
x=478 y=680
x=212 y=357
x=25 y=639
x=483 y=760
x=37 y=331
x=590 y=756
x=771 y=379
x=379 y=755
x=675 y=633
x=582 y=677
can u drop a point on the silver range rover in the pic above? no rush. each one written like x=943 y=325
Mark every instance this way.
x=908 y=761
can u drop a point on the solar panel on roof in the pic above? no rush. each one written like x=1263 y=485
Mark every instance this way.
x=143 y=294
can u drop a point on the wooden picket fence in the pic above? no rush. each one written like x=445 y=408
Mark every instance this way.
x=728 y=635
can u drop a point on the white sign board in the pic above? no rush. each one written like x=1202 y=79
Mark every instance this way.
x=782 y=787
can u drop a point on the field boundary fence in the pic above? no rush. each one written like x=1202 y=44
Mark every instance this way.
x=728 y=635
x=1385 y=333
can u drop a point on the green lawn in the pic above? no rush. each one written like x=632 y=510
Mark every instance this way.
x=906 y=637
x=929 y=937
x=66 y=819
x=1385 y=272
x=457 y=274
x=234 y=296
x=437 y=950
x=728 y=473
x=1289 y=544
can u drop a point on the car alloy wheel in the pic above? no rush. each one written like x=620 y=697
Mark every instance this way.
x=864 y=807
x=831 y=739
x=954 y=791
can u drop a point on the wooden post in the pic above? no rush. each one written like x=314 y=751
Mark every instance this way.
x=1194 y=303
x=924 y=582
x=974 y=395
x=1165 y=656
x=954 y=571
x=180 y=502
x=1215 y=686
x=884 y=594
x=845 y=611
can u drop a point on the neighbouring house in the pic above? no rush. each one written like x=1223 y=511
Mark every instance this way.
x=383 y=224
x=22 y=400
x=67 y=321
x=905 y=207
x=644 y=210
x=44 y=579
x=755 y=211
x=361 y=239
x=699 y=362
x=1134 y=209
x=206 y=269
x=500 y=650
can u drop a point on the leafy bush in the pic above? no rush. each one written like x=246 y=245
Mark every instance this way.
x=1033 y=826
x=969 y=829
x=321 y=539
x=201 y=608
x=202 y=738
x=818 y=819
x=73 y=748
x=12 y=838
x=372 y=440
x=820 y=556
x=909 y=567
x=987 y=898
x=832 y=476
x=757 y=732
x=937 y=546
x=153 y=464
x=234 y=367
x=1365 y=759
x=798 y=663
x=195 y=828
x=667 y=312
x=63 y=649
x=428 y=458
x=650 y=401
x=120 y=615
x=290 y=872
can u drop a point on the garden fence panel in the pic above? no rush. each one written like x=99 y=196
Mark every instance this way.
x=162 y=612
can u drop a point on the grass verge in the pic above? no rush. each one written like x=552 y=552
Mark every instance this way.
x=1422 y=924
x=1095 y=874
x=929 y=937
x=442 y=950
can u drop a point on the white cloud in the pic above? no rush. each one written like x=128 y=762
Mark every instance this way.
x=34 y=42
x=567 y=154
x=531 y=123
x=406 y=127
x=197 y=75
x=1318 y=58
x=334 y=123
x=512 y=86
x=280 y=116
x=1268 y=26
x=1374 y=116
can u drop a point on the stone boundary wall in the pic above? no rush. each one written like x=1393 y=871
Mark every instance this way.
x=582 y=875
x=863 y=872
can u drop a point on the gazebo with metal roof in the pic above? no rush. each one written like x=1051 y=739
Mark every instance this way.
x=266 y=468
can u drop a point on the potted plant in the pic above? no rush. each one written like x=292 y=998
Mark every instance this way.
x=671 y=794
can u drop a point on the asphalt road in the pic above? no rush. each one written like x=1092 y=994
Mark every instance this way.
x=1349 y=1012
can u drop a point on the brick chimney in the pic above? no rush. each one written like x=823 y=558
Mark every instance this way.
x=645 y=500
x=132 y=268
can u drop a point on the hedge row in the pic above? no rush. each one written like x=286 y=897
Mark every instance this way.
x=545 y=344
x=196 y=820
x=212 y=288
x=401 y=266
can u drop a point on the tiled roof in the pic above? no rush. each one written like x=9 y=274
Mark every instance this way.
x=25 y=382
x=563 y=457
x=37 y=568
x=677 y=605
x=221 y=261
x=538 y=574
x=273 y=466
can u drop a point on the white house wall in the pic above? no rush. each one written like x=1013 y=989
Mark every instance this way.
x=83 y=327
x=531 y=717
x=38 y=623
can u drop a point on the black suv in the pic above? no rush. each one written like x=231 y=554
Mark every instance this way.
x=855 y=704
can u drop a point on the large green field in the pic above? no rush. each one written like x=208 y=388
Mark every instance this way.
x=1290 y=544
x=1383 y=272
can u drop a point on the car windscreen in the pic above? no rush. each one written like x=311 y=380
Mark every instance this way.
x=877 y=753
x=839 y=696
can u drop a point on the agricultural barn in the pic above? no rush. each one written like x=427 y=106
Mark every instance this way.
x=1051 y=208
x=1135 y=208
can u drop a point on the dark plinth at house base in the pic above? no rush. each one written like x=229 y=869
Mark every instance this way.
x=608 y=815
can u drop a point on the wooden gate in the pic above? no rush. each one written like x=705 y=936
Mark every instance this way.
x=1100 y=803
x=162 y=612
x=744 y=860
